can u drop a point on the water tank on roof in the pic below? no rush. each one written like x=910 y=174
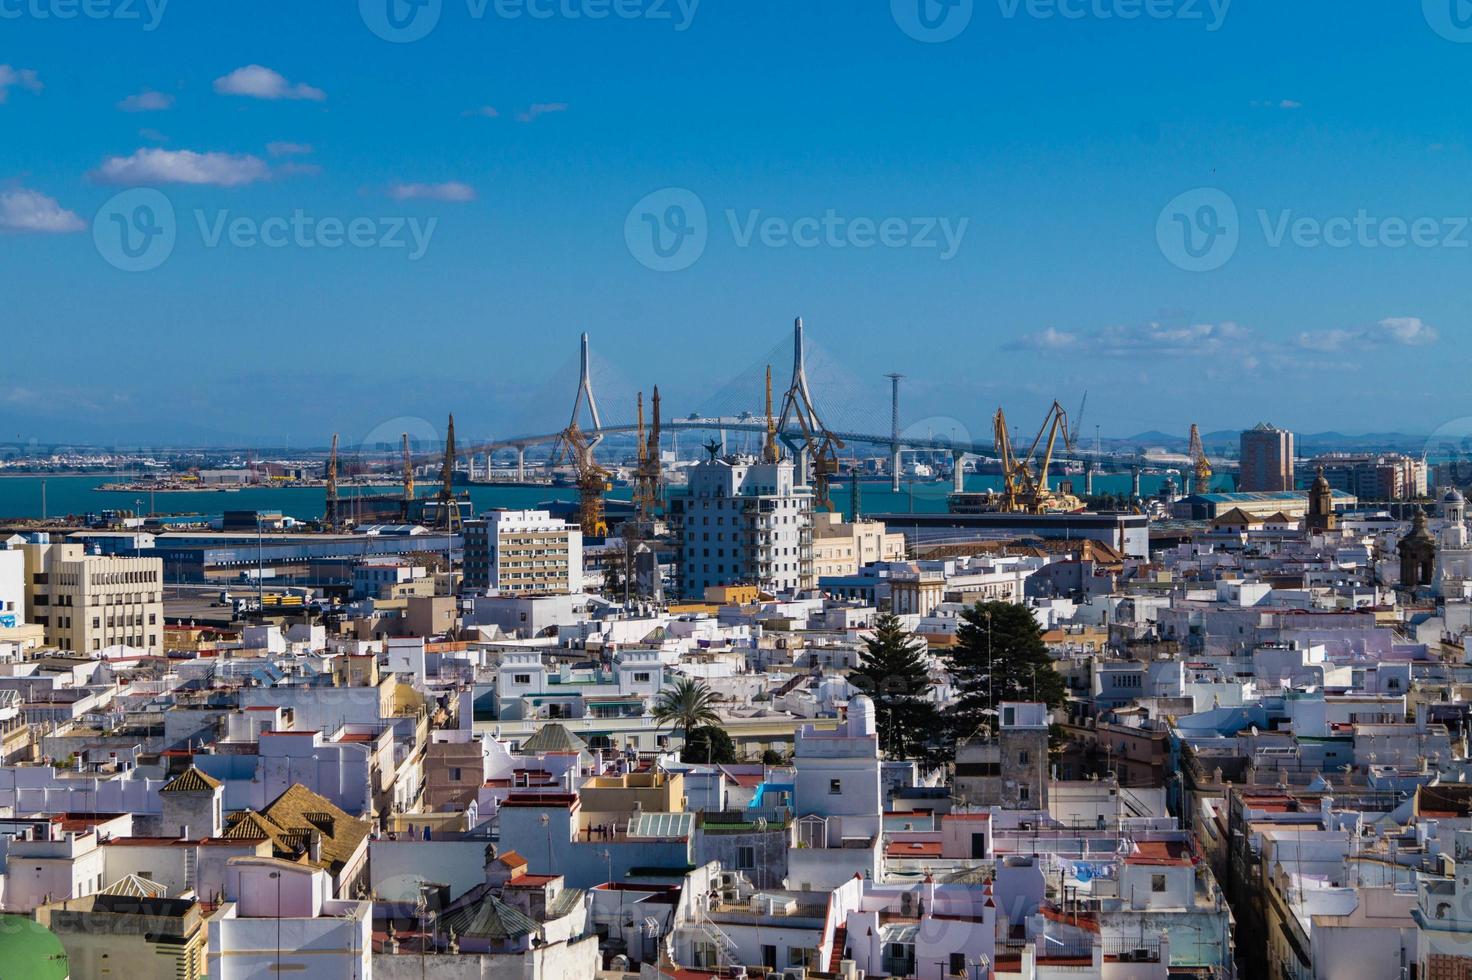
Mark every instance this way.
x=861 y=716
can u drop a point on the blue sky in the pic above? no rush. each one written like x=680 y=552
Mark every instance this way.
x=1060 y=152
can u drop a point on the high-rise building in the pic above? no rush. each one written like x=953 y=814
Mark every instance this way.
x=1267 y=459
x=87 y=603
x=744 y=523
x=523 y=551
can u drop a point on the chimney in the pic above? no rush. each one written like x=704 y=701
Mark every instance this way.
x=184 y=831
x=314 y=846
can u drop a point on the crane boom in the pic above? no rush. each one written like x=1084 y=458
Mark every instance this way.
x=330 y=516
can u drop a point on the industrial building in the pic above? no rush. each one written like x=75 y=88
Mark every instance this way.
x=1290 y=503
x=1128 y=534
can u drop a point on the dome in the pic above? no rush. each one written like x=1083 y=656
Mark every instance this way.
x=861 y=715
x=28 y=949
x=1453 y=496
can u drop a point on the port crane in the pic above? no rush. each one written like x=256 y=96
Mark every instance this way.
x=447 y=517
x=1025 y=476
x=330 y=515
x=1197 y=453
x=592 y=479
x=408 y=478
x=648 y=476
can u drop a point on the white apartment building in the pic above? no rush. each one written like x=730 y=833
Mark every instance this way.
x=842 y=548
x=88 y=603
x=12 y=589
x=744 y=523
x=523 y=551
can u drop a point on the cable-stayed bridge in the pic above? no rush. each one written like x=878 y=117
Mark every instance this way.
x=797 y=421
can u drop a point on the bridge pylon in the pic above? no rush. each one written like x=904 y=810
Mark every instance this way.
x=814 y=446
x=585 y=393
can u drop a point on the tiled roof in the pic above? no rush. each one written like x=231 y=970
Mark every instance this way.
x=299 y=810
x=491 y=919
x=191 y=780
x=553 y=738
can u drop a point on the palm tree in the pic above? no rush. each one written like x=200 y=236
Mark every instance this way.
x=687 y=704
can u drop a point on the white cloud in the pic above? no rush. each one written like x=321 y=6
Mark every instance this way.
x=153 y=166
x=1149 y=338
x=281 y=149
x=449 y=191
x=1285 y=104
x=146 y=101
x=540 y=109
x=485 y=111
x=1408 y=331
x=1049 y=339
x=257 y=82
x=26 y=210
x=23 y=78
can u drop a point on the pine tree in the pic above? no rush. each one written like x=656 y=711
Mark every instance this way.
x=894 y=674
x=999 y=656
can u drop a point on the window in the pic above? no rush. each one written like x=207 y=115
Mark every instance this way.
x=455 y=773
x=835 y=787
x=1157 y=883
x=958 y=965
x=745 y=858
x=1022 y=758
x=521 y=679
x=641 y=677
x=802 y=956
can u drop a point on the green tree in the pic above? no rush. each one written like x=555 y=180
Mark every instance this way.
x=999 y=656
x=893 y=673
x=710 y=745
x=687 y=704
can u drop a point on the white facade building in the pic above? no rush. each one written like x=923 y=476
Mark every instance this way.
x=12 y=589
x=745 y=523
x=523 y=551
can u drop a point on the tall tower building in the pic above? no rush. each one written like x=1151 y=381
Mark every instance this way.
x=744 y=523
x=1267 y=459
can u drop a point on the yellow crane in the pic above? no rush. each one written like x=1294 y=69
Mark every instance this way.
x=408 y=478
x=1025 y=477
x=592 y=479
x=1202 y=464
